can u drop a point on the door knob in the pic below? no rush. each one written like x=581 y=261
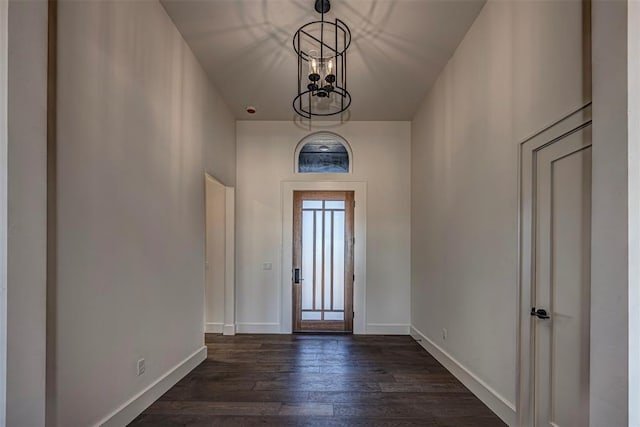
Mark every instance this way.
x=540 y=313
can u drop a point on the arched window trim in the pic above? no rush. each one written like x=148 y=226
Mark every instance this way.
x=312 y=137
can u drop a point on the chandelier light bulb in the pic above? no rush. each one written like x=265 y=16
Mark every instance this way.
x=314 y=67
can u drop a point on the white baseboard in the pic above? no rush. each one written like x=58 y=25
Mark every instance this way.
x=498 y=404
x=229 y=329
x=141 y=401
x=388 y=329
x=213 y=328
x=258 y=328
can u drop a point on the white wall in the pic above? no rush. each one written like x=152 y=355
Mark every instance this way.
x=4 y=59
x=138 y=126
x=27 y=198
x=518 y=69
x=609 y=242
x=265 y=155
x=633 y=58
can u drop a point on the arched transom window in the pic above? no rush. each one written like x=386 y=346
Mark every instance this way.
x=323 y=152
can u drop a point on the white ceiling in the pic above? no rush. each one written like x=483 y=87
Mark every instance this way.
x=398 y=49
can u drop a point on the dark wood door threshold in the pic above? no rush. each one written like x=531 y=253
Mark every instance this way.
x=322 y=332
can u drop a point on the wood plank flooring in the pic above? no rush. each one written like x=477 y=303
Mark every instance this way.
x=317 y=380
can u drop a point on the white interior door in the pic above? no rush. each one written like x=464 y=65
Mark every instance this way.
x=561 y=280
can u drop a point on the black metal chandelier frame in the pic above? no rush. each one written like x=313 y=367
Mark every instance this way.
x=326 y=79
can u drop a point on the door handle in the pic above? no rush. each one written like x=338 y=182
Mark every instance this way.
x=296 y=275
x=540 y=313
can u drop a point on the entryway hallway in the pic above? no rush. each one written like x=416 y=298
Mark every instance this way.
x=317 y=380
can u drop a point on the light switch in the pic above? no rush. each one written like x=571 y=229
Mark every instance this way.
x=266 y=266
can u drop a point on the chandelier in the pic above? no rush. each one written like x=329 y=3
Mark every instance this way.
x=321 y=47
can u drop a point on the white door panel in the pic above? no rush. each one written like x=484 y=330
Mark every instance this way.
x=561 y=280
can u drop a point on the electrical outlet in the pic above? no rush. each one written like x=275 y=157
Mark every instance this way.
x=444 y=333
x=141 y=367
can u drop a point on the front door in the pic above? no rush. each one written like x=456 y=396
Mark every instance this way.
x=560 y=300
x=323 y=272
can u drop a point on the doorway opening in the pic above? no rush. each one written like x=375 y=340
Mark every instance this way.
x=359 y=189
x=219 y=290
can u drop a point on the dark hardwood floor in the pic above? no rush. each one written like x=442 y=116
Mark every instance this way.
x=317 y=380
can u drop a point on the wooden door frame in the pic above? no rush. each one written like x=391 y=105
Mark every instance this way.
x=571 y=123
x=285 y=310
x=328 y=325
